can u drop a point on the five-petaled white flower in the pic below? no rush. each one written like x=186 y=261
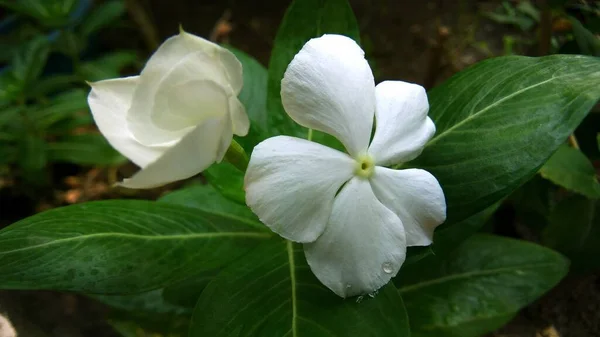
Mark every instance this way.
x=178 y=116
x=355 y=216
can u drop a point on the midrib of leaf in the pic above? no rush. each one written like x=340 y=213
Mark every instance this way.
x=146 y=237
x=505 y=98
x=290 y=252
x=455 y=277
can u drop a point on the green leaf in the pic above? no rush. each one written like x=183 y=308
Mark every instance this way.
x=32 y=155
x=254 y=98
x=228 y=180
x=119 y=246
x=62 y=107
x=84 y=149
x=107 y=66
x=30 y=60
x=574 y=230
x=304 y=19
x=588 y=43
x=272 y=292
x=208 y=199
x=51 y=13
x=478 y=287
x=102 y=16
x=571 y=169
x=499 y=121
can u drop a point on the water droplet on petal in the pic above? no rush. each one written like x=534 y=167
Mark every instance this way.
x=387 y=267
x=373 y=294
x=359 y=299
x=348 y=286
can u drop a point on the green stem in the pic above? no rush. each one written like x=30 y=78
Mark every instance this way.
x=310 y=134
x=236 y=156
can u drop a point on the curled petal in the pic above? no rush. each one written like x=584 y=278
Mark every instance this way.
x=109 y=101
x=155 y=116
x=241 y=123
x=191 y=155
x=363 y=245
x=402 y=126
x=329 y=87
x=416 y=197
x=291 y=183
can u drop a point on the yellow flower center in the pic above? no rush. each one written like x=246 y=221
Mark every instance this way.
x=365 y=166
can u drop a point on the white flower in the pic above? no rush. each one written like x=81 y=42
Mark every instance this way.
x=178 y=116
x=355 y=216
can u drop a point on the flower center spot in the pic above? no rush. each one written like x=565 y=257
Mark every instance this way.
x=365 y=165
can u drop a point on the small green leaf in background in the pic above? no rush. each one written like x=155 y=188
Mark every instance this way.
x=102 y=16
x=589 y=44
x=570 y=168
x=120 y=246
x=500 y=120
x=61 y=107
x=30 y=60
x=107 y=66
x=32 y=159
x=271 y=292
x=304 y=19
x=477 y=288
x=574 y=230
x=228 y=180
x=254 y=98
x=50 y=13
x=84 y=149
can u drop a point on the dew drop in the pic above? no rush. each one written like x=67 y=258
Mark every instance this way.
x=387 y=267
x=373 y=294
x=348 y=286
x=360 y=299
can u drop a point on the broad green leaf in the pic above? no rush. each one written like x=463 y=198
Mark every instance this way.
x=272 y=292
x=254 y=98
x=571 y=169
x=500 y=120
x=588 y=43
x=119 y=246
x=208 y=199
x=478 y=287
x=149 y=311
x=574 y=230
x=228 y=180
x=84 y=149
x=102 y=16
x=449 y=237
x=304 y=19
x=107 y=66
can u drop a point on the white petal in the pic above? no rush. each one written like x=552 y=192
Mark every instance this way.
x=363 y=245
x=416 y=197
x=402 y=125
x=191 y=155
x=329 y=86
x=290 y=184
x=154 y=116
x=176 y=48
x=109 y=101
x=241 y=123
